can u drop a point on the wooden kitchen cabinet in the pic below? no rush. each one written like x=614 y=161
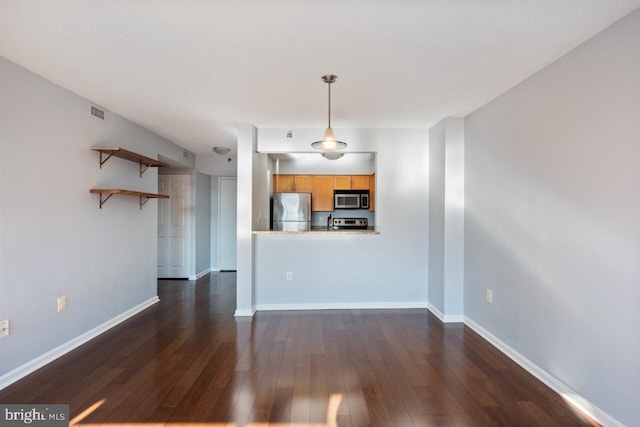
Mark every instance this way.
x=303 y=183
x=372 y=192
x=342 y=182
x=322 y=193
x=321 y=187
x=359 y=182
x=285 y=183
x=351 y=182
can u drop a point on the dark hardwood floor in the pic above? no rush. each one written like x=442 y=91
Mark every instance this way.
x=188 y=361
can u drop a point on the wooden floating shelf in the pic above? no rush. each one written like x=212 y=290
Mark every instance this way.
x=144 y=161
x=144 y=197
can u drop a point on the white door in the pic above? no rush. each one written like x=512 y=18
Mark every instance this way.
x=173 y=226
x=227 y=225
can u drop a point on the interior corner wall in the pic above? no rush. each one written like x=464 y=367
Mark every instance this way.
x=55 y=239
x=436 y=218
x=446 y=219
x=551 y=220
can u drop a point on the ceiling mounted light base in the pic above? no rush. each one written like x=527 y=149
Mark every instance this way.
x=329 y=142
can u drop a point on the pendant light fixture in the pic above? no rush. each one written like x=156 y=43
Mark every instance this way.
x=332 y=155
x=329 y=142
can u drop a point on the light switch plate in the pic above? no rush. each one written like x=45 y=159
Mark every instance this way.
x=490 y=296
x=62 y=303
x=4 y=328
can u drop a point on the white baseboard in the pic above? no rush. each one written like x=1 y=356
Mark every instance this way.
x=445 y=318
x=341 y=306
x=201 y=274
x=549 y=380
x=245 y=312
x=37 y=363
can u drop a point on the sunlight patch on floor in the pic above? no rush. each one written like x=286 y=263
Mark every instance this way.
x=332 y=415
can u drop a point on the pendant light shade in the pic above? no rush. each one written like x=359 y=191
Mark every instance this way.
x=329 y=142
x=332 y=155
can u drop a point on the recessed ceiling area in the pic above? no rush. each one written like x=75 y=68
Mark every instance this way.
x=191 y=71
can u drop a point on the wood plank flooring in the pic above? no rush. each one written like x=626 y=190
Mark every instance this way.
x=188 y=361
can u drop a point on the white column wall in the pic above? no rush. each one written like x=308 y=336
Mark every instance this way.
x=446 y=219
x=245 y=291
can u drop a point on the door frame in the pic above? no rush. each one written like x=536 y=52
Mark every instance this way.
x=189 y=226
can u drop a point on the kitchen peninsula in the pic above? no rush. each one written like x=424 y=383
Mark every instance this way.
x=321 y=268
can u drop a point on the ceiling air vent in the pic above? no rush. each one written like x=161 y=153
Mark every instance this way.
x=95 y=111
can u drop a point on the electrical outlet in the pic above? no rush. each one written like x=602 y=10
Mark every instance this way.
x=289 y=276
x=4 y=328
x=490 y=296
x=62 y=303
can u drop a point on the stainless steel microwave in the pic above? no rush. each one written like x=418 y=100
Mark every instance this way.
x=351 y=199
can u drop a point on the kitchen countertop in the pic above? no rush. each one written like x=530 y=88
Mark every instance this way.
x=321 y=230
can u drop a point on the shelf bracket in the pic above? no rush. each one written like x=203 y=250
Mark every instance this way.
x=104 y=200
x=143 y=168
x=143 y=200
x=102 y=162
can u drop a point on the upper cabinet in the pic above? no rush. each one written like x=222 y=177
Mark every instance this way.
x=351 y=182
x=303 y=183
x=360 y=182
x=292 y=183
x=342 y=182
x=372 y=192
x=322 y=194
x=283 y=184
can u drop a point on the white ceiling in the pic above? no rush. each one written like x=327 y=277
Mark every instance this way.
x=190 y=70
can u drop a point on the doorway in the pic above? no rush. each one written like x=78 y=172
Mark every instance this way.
x=174 y=232
x=227 y=229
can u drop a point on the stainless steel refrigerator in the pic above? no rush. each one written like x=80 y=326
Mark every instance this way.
x=292 y=211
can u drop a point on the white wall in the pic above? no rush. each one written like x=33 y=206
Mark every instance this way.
x=446 y=219
x=203 y=223
x=551 y=224
x=385 y=270
x=262 y=189
x=54 y=239
x=216 y=165
x=437 y=139
x=215 y=224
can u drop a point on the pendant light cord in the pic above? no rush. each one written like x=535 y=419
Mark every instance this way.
x=329 y=104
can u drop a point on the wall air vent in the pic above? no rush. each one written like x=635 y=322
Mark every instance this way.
x=95 y=111
x=185 y=154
